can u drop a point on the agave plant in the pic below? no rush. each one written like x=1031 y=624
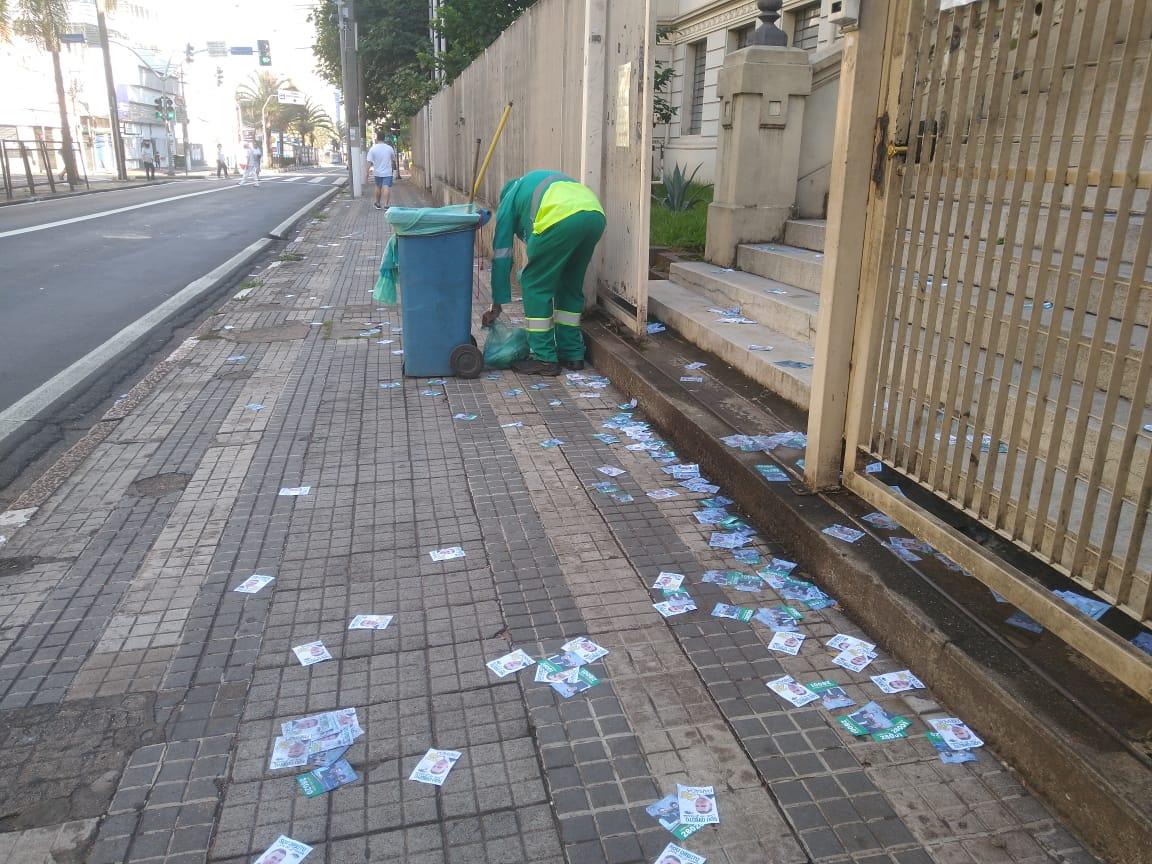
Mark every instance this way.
x=679 y=192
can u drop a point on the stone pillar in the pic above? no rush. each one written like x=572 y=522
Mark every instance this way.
x=761 y=92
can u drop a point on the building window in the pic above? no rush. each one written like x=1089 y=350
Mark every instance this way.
x=738 y=37
x=697 y=60
x=806 y=27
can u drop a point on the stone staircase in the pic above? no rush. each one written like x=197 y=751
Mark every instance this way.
x=777 y=285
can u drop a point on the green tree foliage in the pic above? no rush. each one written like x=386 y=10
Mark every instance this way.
x=400 y=73
x=261 y=87
x=309 y=120
x=41 y=22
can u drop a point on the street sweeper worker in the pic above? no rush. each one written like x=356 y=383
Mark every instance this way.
x=560 y=221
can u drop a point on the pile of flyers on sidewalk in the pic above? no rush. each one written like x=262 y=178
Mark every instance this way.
x=319 y=742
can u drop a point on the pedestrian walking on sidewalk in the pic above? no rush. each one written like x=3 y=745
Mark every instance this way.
x=560 y=221
x=382 y=160
x=221 y=162
x=251 y=165
x=148 y=160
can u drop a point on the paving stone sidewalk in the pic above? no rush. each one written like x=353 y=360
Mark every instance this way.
x=140 y=695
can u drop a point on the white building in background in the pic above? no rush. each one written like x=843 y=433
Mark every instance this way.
x=702 y=33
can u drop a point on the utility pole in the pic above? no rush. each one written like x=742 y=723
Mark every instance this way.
x=113 y=107
x=350 y=77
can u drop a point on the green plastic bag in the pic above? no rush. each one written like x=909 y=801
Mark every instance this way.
x=419 y=222
x=505 y=345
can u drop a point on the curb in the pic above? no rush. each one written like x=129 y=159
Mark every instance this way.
x=280 y=232
x=1083 y=773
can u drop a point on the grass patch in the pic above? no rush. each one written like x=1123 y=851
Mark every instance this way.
x=290 y=256
x=684 y=230
x=250 y=283
x=321 y=217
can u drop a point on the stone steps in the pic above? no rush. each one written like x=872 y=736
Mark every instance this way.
x=788 y=264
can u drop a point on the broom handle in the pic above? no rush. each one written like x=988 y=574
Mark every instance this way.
x=488 y=155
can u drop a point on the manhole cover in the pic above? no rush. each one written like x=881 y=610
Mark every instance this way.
x=279 y=333
x=158 y=484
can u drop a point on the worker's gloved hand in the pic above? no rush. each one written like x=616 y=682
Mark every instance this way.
x=491 y=315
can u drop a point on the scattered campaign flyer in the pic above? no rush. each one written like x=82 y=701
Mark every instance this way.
x=697 y=805
x=390 y=385
x=621 y=497
x=776 y=570
x=736 y=613
x=700 y=485
x=843 y=532
x=711 y=516
x=1024 y=621
x=549 y=443
x=854 y=659
x=515 y=424
x=788 y=689
x=773 y=473
x=297 y=752
x=778 y=618
x=1090 y=606
x=253 y=584
x=955 y=733
x=678 y=606
x=842 y=640
x=663 y=494
x=873 y=467
x=719 y=502
x=869 y=719
x=605 y=486
x=448 y=554
x=720 y=577
x=786 y=642
x=284 y=851
x=882 y=520
x=465 y=416
x=370 y=622
x=746 y=582
x=509 y=663
x=674 y=854
x=558 y=667
x=669 y=581
x=729 y=539
x=1143 y=641
x=316 y=726
x=584 y=648
x=584 y=680
x=832 y=695
x=434 y=767
x=897 y=682
x=747 y=556
x=295 y=490
x=611 y=470
x=691 y=379
x=666 y=811
x=318 y=781
x=605 y=438
x=431 y=392
x=312 y=652
x=695 y=365
x=947 y=755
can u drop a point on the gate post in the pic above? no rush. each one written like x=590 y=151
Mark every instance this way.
x=761 y=92
x=862 y=71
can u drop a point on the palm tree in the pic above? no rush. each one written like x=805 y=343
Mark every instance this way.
x=261 y=87
x=310 y=120
x=41 y=22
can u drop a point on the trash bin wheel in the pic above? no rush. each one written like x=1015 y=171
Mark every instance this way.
x=466 y=361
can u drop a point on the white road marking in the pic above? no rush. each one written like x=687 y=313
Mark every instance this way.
x=319 y=178
x=292 y=179
x=336 y=181
x=61 y=222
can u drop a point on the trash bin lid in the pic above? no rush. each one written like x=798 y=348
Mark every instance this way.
x=425 y=221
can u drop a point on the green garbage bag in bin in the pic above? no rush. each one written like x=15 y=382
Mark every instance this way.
x=505 y=345
x=418 y=222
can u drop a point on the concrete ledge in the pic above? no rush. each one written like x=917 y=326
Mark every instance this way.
x=1078 y=766
x=805 y=234
x=687 y=312
x=788 y=264
x=792 y=312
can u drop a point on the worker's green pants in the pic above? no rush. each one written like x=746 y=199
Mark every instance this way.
x=553 y=285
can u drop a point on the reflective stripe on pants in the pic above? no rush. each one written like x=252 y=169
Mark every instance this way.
x=568 y=319
x=538 y=325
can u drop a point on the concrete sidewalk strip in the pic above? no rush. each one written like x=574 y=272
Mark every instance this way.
x=167 y=586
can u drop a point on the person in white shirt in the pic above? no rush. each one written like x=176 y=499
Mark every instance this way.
x=252 y=156
x=382 y=161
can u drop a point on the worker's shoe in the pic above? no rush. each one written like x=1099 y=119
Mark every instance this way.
x=532 y=366
x=574 y=365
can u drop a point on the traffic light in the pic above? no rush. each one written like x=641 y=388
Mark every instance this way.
x=219 y=76
x=189 y=53
x=264 y=51
x=165 y=108
x=159 y=103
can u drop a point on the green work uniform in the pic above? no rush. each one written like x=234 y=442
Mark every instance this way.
x=561 y=221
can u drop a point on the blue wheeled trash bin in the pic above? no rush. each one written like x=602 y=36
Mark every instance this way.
x=431 y=258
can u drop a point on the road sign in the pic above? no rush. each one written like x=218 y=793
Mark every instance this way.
x=246 y=50
x=217 y=49
x=73 y=38
x=290 y=97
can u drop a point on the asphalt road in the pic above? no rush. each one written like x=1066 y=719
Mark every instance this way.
x=66 y=289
